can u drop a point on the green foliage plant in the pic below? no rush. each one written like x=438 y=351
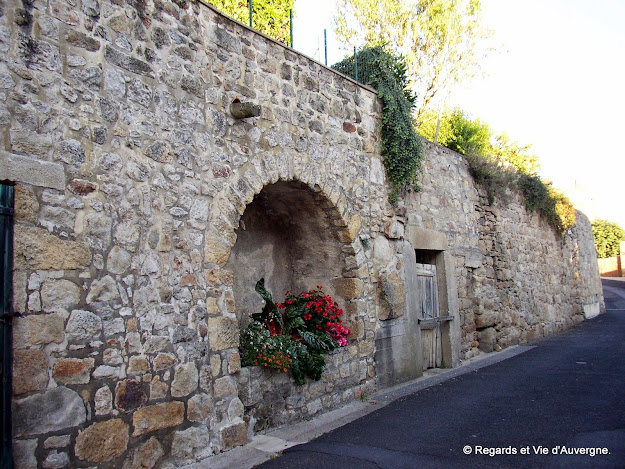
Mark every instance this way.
x=270 y=17
x=500 y=165
x=443 y=41
x=552 y=205
x=608 y=237
x=464 y=135
x=294 y=335
x=514 y=154
x=492 y=176
x=401 y=145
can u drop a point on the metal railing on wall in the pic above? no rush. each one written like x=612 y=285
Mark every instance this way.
x=349 y=66
x=251 y=16
x=355 y=67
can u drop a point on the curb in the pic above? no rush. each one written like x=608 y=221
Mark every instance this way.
x=267 y=446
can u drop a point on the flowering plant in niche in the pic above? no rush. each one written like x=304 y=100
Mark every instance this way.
x=294 y=335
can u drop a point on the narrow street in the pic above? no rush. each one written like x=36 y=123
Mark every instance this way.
x=559 y=405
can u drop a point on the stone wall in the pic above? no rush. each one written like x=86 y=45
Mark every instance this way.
x=132 y=177
x=145 y=212
x=517 y=280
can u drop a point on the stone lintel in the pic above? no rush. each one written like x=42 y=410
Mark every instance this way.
x=421 y=238
x=29 y=170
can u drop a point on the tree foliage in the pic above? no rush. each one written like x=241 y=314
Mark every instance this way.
x=608 y=237
x=515 y=154
x=443 y=41
x=499 y=165
x=467 y=135
x=401 y=145
x=464 y=135
x=270 y=16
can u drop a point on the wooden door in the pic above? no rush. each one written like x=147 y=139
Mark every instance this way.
x=429 y=321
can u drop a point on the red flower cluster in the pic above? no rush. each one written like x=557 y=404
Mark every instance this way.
x=320 y=313
x=294 y=335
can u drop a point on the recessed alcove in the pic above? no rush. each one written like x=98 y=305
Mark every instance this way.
x=287 y=237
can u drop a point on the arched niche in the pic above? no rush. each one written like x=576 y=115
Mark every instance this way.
x=286 y=236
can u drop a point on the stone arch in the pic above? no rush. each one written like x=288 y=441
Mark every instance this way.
x=304 y=201
x=289 y=235
x=230 y=205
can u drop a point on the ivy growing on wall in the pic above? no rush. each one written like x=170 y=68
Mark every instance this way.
x=552 y=205
x=401 y=145
x=497 y=179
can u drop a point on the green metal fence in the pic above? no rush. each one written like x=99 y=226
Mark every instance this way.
x=355 y=67
x=350 y=66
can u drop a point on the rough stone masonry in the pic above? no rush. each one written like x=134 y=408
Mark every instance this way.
x=132 y=183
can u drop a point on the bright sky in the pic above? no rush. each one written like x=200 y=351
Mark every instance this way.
x=558 y=84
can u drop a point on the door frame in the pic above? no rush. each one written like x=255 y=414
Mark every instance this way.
x=433 y=244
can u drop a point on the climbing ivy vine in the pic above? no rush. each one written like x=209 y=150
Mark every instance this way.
x=401 y=146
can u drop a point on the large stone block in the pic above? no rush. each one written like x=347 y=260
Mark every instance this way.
x=59 y=295
x=394 y=229
x=41 y=329
x=236 y=409
x=486 y=319
x=224 y=387
x=56 y=460
x=30 y=371
x=37 y=249
x=20 y=297
x=24 y=454
x=156 y=417
x=422 y=238
x=223 y=333
x=118 y=260
x=26 y=205
x=102 y=441
x=83 y=326
x=103 y=290
x=488 y=339
x=348 y=288
x=158 y=389
x=233 y=435
x=383 y=253
x=129 y=395
x=216 y=249
x=185 y=380
x=189 y=444
x=31 y=171
x=199 y=407
x=392 y=296
x=138 y=365
x=54 y=410
x=73 y=370
x=146 y=456
x=350 y=233
x=163 y=361
x=103 y=401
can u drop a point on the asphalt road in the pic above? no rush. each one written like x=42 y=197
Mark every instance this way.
x=559 y=405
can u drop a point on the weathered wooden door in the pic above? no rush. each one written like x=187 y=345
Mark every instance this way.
x=429 y=321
